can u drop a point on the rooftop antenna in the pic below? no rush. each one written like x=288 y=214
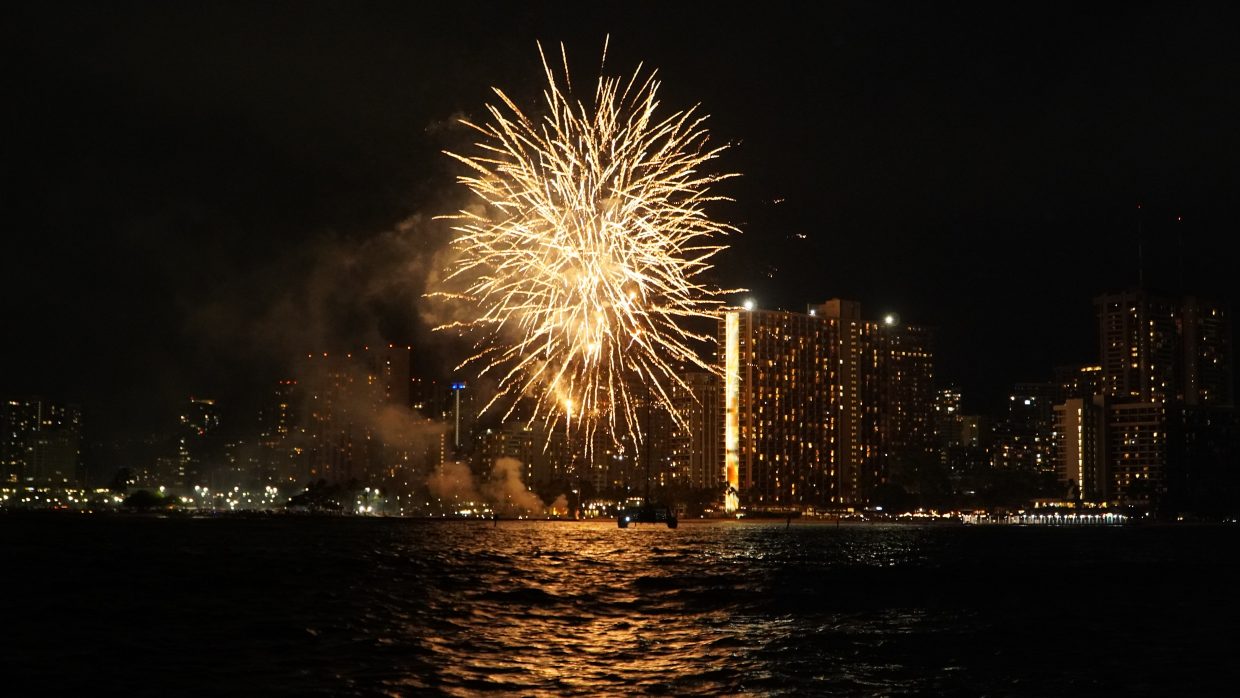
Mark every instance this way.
x=1179 y=245
x=1140 y=251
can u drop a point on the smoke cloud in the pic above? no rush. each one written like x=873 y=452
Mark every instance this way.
x=505 y=491
x=454 y=483
x=502 y=489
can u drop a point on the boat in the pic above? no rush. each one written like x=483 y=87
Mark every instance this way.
x=647 y=513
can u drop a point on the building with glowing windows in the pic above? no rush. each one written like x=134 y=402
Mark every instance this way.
x=782 y=391
x=357 y=422
x=819 y=406
x=1080 y=448
x=195 y=444
x=1158 y=349
x=1139 y=337
x=1207 y=350
x=1162 y=358
x=690 y=454
x=904 y=362
x=39 y=441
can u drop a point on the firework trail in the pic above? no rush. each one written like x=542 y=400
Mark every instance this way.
x=584 y=262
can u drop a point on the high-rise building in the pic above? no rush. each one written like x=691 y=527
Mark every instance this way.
x=57 y=449
x=512 y=440
x=1023 y=439
x=1139 y=343
x=1080 y=447
x=278 y=451
x=970 y=456
x=1207 y=352
x=357 y=420
x=19 y=422
x=195 y=443
x=781 y=393
x=818 y=406
x=861 y=433
x=1156 y=349
x=1162 y=358
x=39 y=441
x=947 y=418
x=1077 y=382
x=1136 y=442
x=906 y=401
x=695 y=458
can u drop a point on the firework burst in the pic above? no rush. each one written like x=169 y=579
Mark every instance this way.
x=584 y=263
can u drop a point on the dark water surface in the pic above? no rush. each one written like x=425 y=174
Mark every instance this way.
x=371 y=606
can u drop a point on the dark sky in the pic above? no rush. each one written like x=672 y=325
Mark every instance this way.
x=197 y=192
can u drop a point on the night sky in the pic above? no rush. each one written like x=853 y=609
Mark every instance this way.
x=196 y=194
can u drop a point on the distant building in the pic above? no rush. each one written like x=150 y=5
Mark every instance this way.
x=278 y=453
x=1023 y=439
x=1080 y=448
x=906 y=400
x=512 y=440
x=1136 y=441
x=947 y=418
x=1140 y=343
x=1077 y=382
x=356 y=418
x=1158 y=349
x=696 y=449
x=1165 y=375
x=195 y=444
x=40 y=442
x=1208 y=373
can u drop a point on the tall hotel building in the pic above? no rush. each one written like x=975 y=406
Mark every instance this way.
x=817 y=404
x=346 y=398
x=1161 y=359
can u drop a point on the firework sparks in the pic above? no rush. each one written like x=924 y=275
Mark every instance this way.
x=585 y=263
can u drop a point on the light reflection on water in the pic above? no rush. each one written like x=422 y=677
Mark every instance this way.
x=386 y=606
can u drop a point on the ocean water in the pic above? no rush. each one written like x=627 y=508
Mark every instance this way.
x=353 y=606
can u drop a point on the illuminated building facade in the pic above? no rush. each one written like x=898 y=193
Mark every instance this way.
x=905 y=365
x=1207 y=351
x=818 y=405
x=1080 y=447
x=39 y=442
x=195 y=444
x=1077 y=382
x=685 y=454
x=512 y=440
x=356 y=418
x=948 y=420
x=1161 y=359
x=1022 y=441
x=783 y=412
x=1139 y=337
x=695 y=452
x=1136 y=441
x=858 y=385
x=278 y=461
x=1156 y=349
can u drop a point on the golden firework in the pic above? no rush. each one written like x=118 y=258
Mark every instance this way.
x=585 y=261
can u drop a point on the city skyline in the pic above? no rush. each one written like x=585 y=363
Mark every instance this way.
x=812 y=411
x=197 y=211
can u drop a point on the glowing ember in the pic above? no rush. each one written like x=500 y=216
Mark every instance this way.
x=584 y=265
